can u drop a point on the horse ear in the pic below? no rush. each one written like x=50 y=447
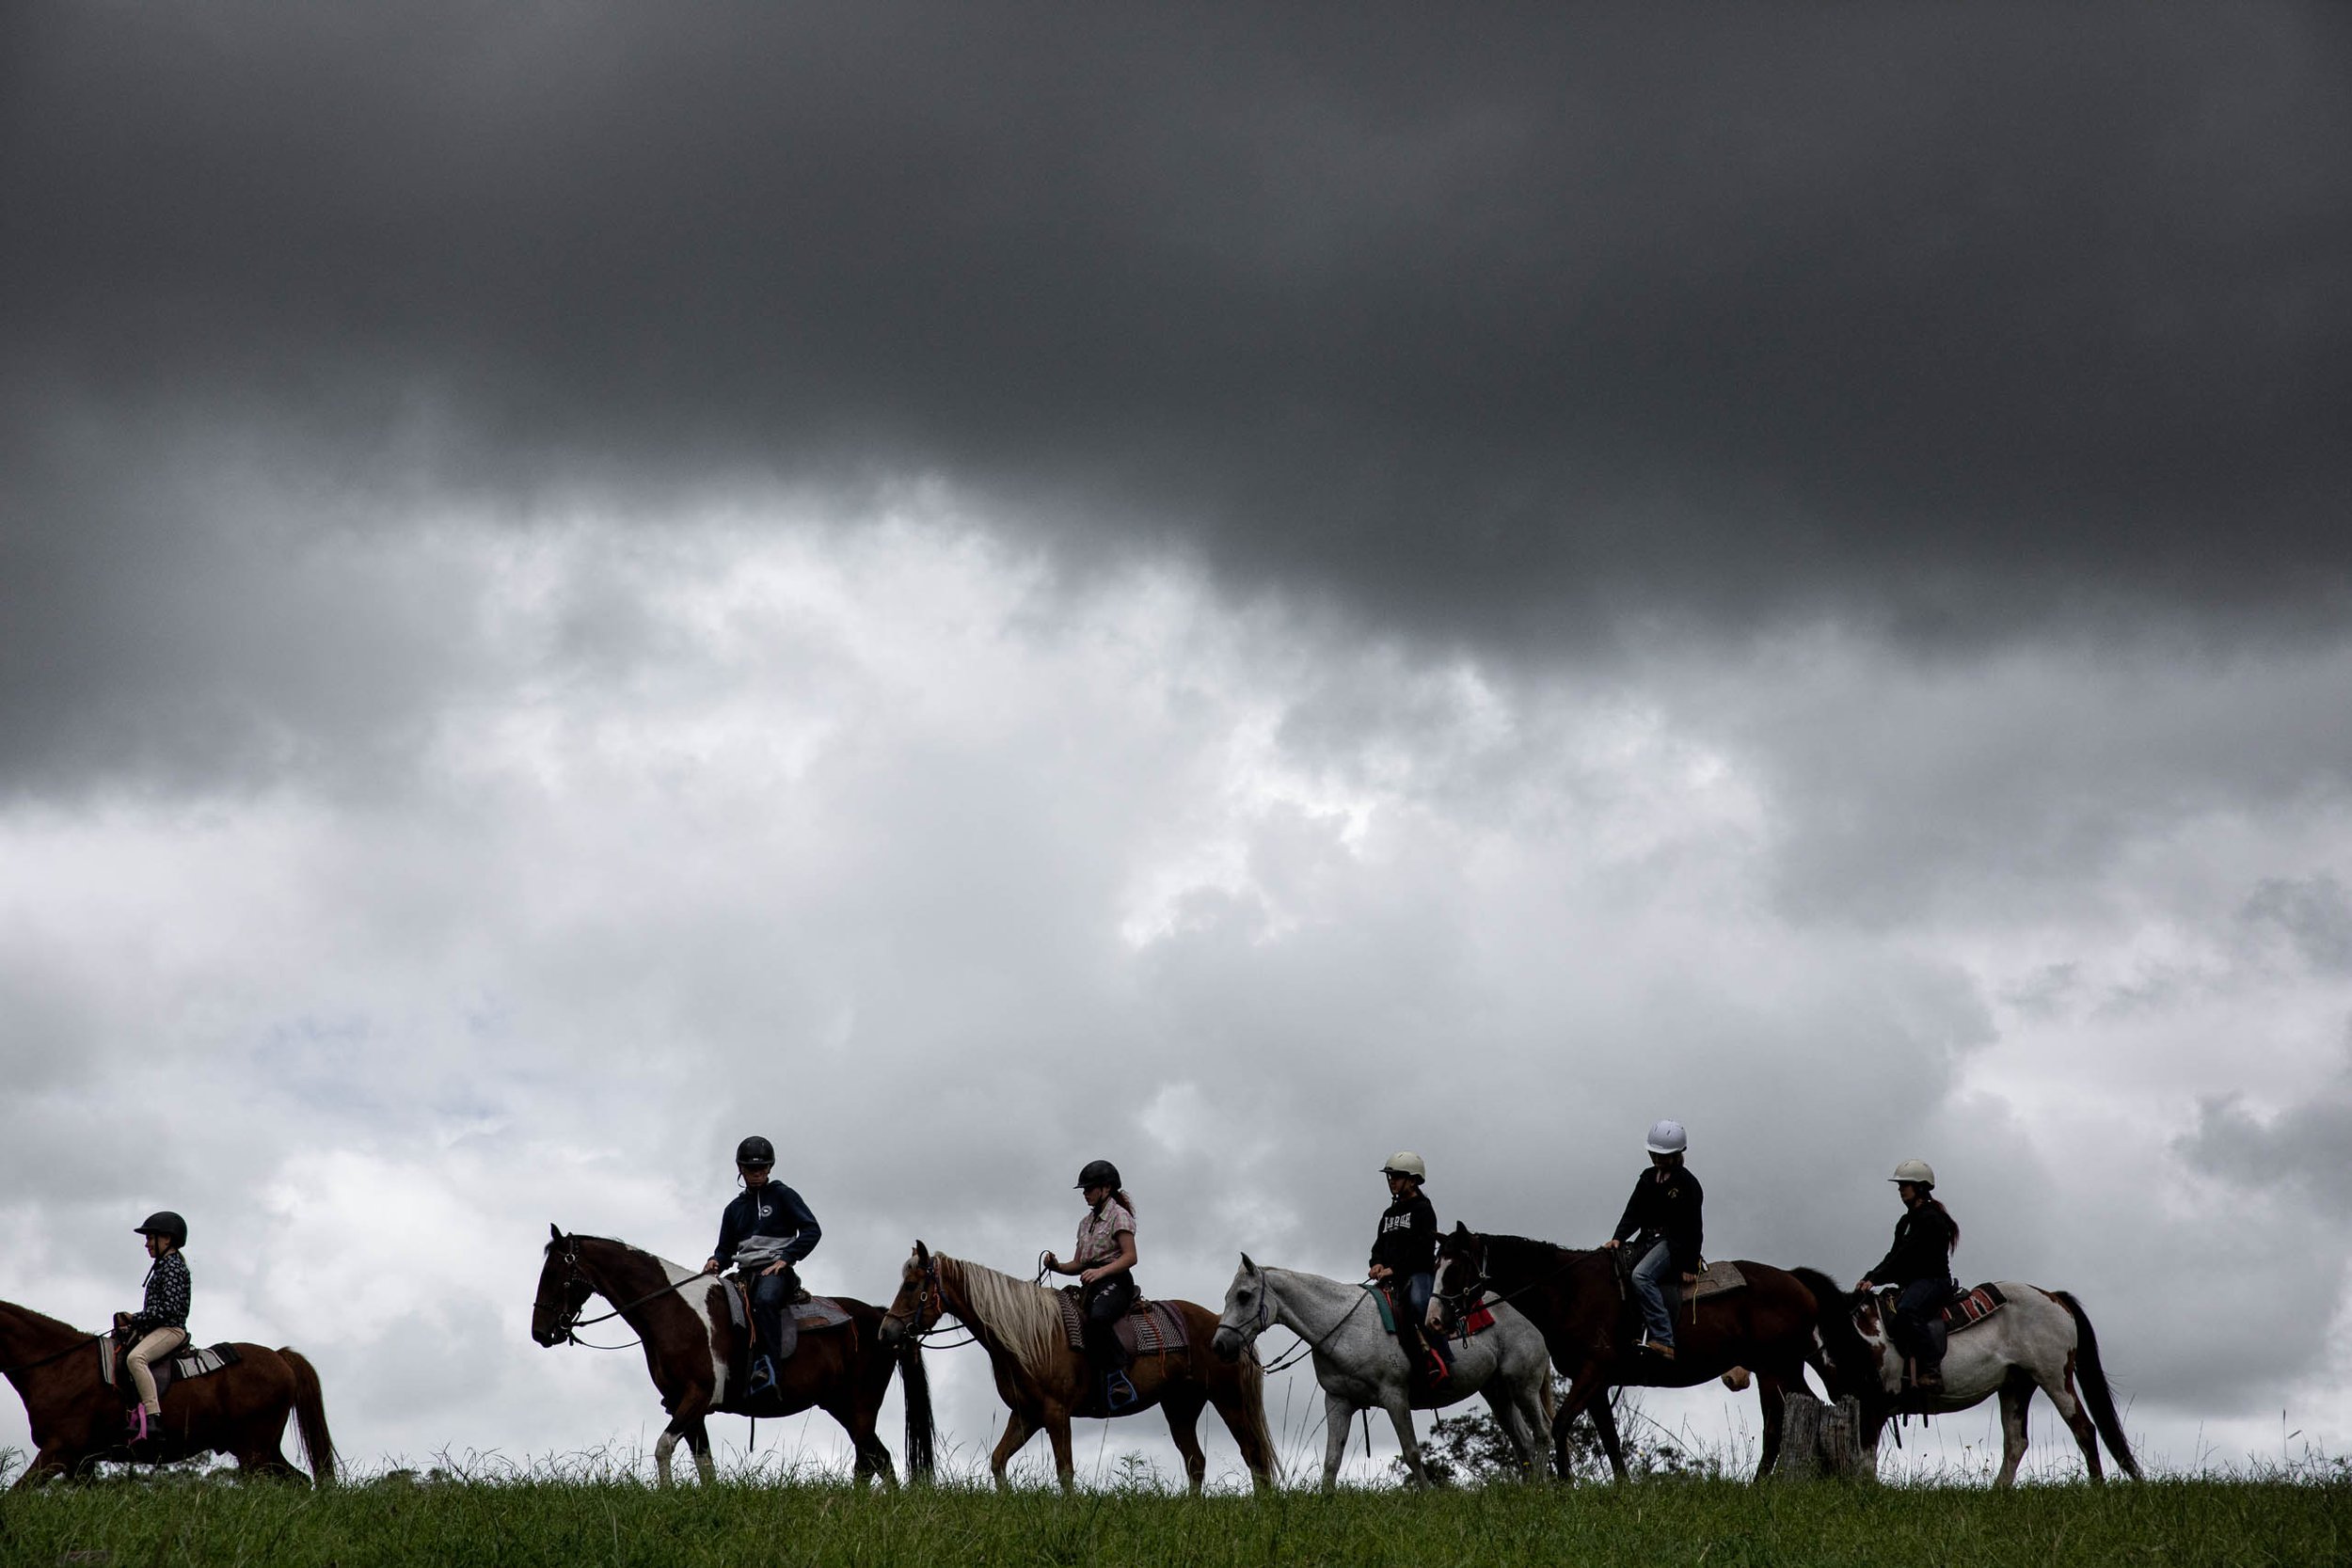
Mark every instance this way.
x=922 y=1253
x=1460 y=1229
x=554 y=1234
x=1246 y=1264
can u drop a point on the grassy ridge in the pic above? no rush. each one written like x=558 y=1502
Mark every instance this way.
x=574 y=1525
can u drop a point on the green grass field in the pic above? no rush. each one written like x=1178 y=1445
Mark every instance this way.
x=575 y=1524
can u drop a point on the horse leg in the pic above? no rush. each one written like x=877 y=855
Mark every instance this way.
x=1504 y=1401
x=54 y=1458
x=1019 y=1429
x=1057 y=1434
x=1772 y=1394
x=2061 y=1391
x=1183 y=1419
x=1338 y=1416
x=1604 y=1426
x=2016 y=1394
x=1536 y=1422
x=1400 y=1411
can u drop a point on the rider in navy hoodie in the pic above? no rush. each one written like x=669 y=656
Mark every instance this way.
x=766 y=1230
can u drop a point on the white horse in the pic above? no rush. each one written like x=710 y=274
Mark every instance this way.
x=2038 y=1339
x=1359 y=1365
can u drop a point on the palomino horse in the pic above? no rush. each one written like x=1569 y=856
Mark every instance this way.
x=2037 y=1339
x=1770 y=1328
x=240 y=1410
x=1359 y=1366
x=1044 y=1383
x=682 y=1318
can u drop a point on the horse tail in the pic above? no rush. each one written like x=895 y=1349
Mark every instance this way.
x=1850 y=1358
x=310 y=1411
x=915 y=1382
x=1253 y=1410
x=2092 y=1378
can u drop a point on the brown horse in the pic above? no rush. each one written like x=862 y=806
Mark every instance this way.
x=1773 y=1327
x=1044 y=1383
x=240 y=1410
x=690 y=1341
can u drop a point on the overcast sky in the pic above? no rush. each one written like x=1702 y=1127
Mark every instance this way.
x=971 y=588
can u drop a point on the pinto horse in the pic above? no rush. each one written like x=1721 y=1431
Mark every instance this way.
x=1044 y=1383
x=1773 y=1327
x=690 y=1339
x=240 y=1410
x=2037 y=1339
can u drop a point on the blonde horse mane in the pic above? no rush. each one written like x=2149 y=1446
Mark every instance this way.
x=1026 y=1319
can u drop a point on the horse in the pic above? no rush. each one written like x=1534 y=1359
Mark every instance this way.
x=2037 y=1338
x=240 y=1410
x=1044 y=1383
x=1359 y=1365
x=1773 y=1328
x=681 y=1316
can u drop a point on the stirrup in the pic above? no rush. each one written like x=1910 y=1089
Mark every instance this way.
x=1114 y=1382
x=763 y=1375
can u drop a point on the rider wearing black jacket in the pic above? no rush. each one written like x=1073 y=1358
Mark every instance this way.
x=770 y=1229
x=1662 y=1219
x=1921 y=1266
x=1405 y=1253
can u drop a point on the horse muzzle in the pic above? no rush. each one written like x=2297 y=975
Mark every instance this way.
x=1226 y=1341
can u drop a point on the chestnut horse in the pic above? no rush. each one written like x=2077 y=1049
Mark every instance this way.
x=690 y=1339
x=240 y=1410
x=1773 y=1327
x=1044 y=1383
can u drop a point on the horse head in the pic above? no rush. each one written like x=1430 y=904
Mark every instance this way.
x=1249 y=1311
x=564 y=1291
x=1461 y=1268
x=920 y=1299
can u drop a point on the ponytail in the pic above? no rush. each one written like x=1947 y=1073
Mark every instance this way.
x=1122 y=1198
x=1937 y=1204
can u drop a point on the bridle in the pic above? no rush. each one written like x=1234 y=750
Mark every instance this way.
x=568 y=1310
x=929 y=1296
x=1305 y=1347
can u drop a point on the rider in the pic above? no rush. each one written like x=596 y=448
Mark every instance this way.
x=766 y=1230
x=1661 y=1218
x=1921 y=1266
x=160 y=1326
x=1105 y=1264
x=1404 y=1249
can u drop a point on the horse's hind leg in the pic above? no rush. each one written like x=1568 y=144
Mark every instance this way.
x=2016 y=1394
x=1018 y=1429
x=1183 y=1421
x=2061 y=1391
x=1604 y=1425
x=1338 y=1416
x=872 y=1458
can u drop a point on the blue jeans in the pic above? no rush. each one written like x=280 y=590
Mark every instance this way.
x=1919 y=1320
x=771 y=1308
x=1414 y=1304
x=1649 y=1288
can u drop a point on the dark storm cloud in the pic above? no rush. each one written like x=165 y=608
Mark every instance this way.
x=1497 y=327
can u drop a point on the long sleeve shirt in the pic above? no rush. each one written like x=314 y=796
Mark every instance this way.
x=1665 y=1206
x=1924 y=1239
x=167 y=1292
x=771 y=1209
x=1406 y=1240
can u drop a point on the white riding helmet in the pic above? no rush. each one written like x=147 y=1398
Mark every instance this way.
x=1406 y=1163
x=1667 y=1137
x=1917 y=1172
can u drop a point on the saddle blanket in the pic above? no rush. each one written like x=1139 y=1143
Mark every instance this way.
x=1481 y=1318
x=172 y=1368
x=1151 y=1328
x=1718 y=1278
x=1973 y=1307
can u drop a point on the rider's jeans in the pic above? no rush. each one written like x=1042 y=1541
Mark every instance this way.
x=1919 y=1314
x=1649 y=1288
x=771 y=1302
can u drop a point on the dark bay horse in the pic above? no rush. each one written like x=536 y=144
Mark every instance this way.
x=681 y=1316
x=1044 y=1383
x=240 y=1410
x=1773 y=1327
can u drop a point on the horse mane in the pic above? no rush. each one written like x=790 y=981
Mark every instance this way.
x=671 y=1272
x=1525 y=1252
x=40 y=1321
x=1849 y=1354
x=1025 y=1318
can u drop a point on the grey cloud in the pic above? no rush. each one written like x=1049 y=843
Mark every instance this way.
x=1952 y=325
x=2299 y=1151
x=2314 y=913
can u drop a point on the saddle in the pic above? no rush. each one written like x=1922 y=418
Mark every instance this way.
x=1149 y=1327
x=1965 y=1310
x=187 y=1363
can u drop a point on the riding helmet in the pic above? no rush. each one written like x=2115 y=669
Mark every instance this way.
x=1406 y=1163
x=1917 y=1172
x=1100 y=1173
x=163 y=1223
x=754 y=1150
x=1667 y=1137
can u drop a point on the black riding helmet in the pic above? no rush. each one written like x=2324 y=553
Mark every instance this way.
x=1100 y=1173
x=754 y=1150
x=163 y=1223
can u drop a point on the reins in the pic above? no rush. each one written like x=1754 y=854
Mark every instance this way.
x=57 y=1355
x=1305 y=1347
x=574 y=1323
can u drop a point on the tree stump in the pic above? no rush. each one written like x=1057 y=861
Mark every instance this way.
x=1799 y=1437
x=1840 y=1422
